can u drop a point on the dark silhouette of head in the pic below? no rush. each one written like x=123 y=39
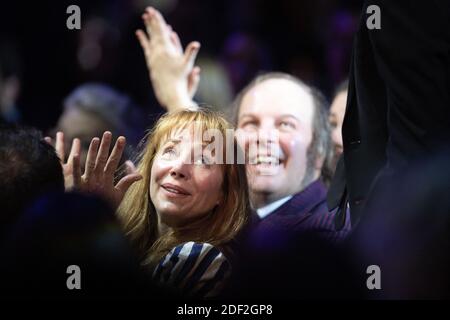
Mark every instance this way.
x=60 y=231
x=29 y=167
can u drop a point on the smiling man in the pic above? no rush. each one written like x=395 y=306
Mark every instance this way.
x=279 y=105
x=289 y=194
x=284 y=183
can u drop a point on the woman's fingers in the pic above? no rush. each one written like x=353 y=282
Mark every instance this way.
x=121 y=188
x=193 y=81
x=48 y=140
x=191 y=53
x=175 y=39
x=157 y=27
x=130 y=168
x=59 y=146
x=148 y=29
x=102 y=155
x=114 y=159
x=143 y=40
x=90 y=158
x=126 y=182
x=76 y=171
x=75 y=150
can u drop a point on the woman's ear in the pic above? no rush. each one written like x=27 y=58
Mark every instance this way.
x=220 y=200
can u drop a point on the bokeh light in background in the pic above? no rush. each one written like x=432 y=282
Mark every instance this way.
x=310 y=39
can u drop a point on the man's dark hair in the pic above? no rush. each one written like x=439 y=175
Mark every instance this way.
x=29 y=167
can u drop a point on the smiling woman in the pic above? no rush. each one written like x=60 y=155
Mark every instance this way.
x=183 y=214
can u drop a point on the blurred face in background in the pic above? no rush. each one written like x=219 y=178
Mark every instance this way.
x=76 y=123
x=285 y=107
x=336 y=119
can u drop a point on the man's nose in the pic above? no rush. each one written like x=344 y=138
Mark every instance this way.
x=268 y=135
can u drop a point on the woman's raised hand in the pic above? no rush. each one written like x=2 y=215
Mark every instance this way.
x=172 y=73
x=73 y=161
x=98 y=177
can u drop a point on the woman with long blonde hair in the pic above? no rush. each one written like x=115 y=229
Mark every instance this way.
x=184 y=212
x=183 y=206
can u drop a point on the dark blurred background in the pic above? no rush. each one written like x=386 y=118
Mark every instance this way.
x=308 y=38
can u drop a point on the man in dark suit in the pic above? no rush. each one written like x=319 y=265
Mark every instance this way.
x=285 y=172
x=398 y=107
x=282 y=127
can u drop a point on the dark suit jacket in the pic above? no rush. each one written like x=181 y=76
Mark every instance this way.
x=306 y=211
x=288 y=254
x=398 y=106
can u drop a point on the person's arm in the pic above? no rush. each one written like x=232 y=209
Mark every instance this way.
x=172 y=73
x=412 y=55
x=100 y=167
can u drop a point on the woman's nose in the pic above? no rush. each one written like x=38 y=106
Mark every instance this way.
x=176 y=174
x=180 y=169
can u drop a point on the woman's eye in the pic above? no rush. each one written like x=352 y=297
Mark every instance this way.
x=168 y=152
x=203 y=161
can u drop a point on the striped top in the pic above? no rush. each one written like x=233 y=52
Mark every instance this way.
x=194 y=269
